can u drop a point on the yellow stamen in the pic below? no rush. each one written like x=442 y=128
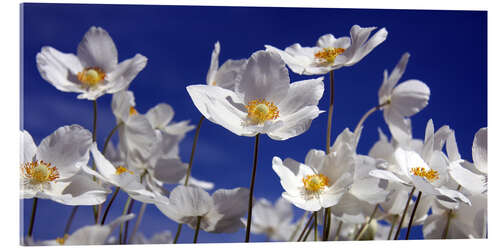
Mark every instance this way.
x=315 y=183
x=329 y=54
x=261 y=110
x=132 y=111
x=91 y=76
x=121 y=169
x=213 y=83
x=431 y=174
x=39 y=172
x=61 y=240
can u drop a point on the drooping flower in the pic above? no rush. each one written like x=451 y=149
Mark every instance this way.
x=331 y=53
x=273 y=221
x=323 y=179
x=225 y=75
x=53 y=170
x=220 y=213
x=93 y=71
x=402 y=101
x=263 y=102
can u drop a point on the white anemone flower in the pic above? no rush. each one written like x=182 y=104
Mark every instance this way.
x=472 y=177
x=225 y=75
x=331 y=53
x=127 y=180
x=219 y=213
x=53 y=170
x=323 y=179
x=164 y=237
x=90 y=235
x=264 y=101
x=93 y=71
x=273 y=221
x=426 y=171
x=402 y=101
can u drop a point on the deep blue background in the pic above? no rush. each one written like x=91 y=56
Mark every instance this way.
x=448 y=53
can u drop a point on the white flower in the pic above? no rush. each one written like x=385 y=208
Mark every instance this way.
x=53 y=170
x=220 y=213
x=273 y=221
x=164 y=237
x=94 y=71
x=225 y=75
x=264 y=101
x=403 y=101
x=323 y=179
x=331 y=53
x=127 y=180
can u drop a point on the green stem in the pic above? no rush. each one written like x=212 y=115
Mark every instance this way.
x=404 y=213
x=299 y=223
x=305 y=228
x=315 y=226
x=392 y=227
x=94 y=138
x=138 y=221
x=198 y=221
x=109 y=205
x=33 y=214
x=365 y=226
x=179 y=227
x=448 y=219
x=339 y=227
x=330 y=114
x=326 y=224
x=413 y=215
x=129 y=210
x=309 y=230
x=252 y=184
x=368 y=113
x=125 y=210
x=70 y=220
x=108 y=138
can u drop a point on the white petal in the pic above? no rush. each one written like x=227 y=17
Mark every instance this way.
x=294 y=124
x=369 y=190
x=474 y=183
x=194 y=182
x=121 y=102
x=302 y=94
x=299 y=59
x=105 y=168
x=160 y=115
x=389 y=83
x=452 y=148
x=359 y=47
x=214 y=64
x=82 y=190
x=192 y=201
x=315 y=158
x=410 y=97
x=124 y=73
x=264 y=77
x=399 y=126
x=480 y=150
x=229 y=72
x=170 y=170
x=59 y=69
x=309 y=205
x=218 y=106
x=67 y=149
x=28 y=148
x=97 y=49
x=95 y=234
x=382 y=149
x=386 y=175
x=288 y=176
x=137 y=135
x=329 y=41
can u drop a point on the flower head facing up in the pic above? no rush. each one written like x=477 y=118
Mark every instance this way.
x=327 y=56
x=93 y=71
x=263 y=100
x=39 y=172
x=315 y=183
x=429 y=174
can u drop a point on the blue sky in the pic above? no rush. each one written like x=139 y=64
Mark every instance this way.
x=448 y=53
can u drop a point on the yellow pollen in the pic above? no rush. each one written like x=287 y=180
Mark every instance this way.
x=431 y=174
x=61 y=240
x=315 y=183
x=91 y=76
x=132 y=111
x=213 y=83
x=261 y=110
x=39 y=172
x=121 y=169
x=329 y=54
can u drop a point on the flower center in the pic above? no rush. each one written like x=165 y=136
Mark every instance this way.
x=261 y=110
x=431 y=174
x=132 y=111
x=315 y=183
x=121 y=169
x=61 y=240
x=40 y=172
x=328 y=55
x=91 y=76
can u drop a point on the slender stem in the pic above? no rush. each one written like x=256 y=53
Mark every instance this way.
x=339 y=228
x=365 y=226
x=305 y=227
x=252 y=184
x=179 y=227
x=70 y=220
x=392 y=227
x=94 y=127
x=33 y=214
x=368 y=113
x=138 y=221
x=448 y=219
x=109 y=205
x=315 y=226
x=404 y=213
x=299 y=223
x=129 y=210
x=125 y=210
x=197 y=229
x=413 y=215
x=309 y=230
x=326 y=224
x=195 y=140
x=330 y=113
x=108 y=138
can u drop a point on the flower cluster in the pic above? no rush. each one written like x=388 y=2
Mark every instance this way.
x=341 y=191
